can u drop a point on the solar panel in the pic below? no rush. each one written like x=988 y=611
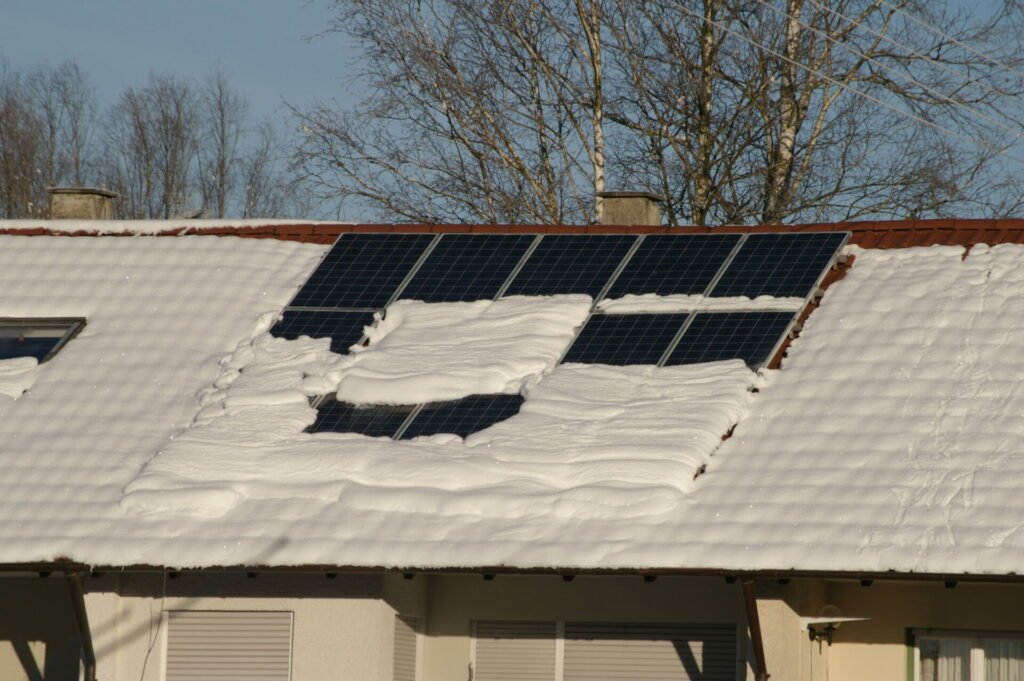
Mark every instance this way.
x=568 y=263
x=714 y=336
x=345 y=328
x=779 y=264
x=625 y=338
x=673 y=263
x=467 y=267
x=362 y=270
x=463 y=417
x=371 y=420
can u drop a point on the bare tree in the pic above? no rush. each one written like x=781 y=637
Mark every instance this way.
x=222 y=115
x=735 y=110
x=482 y=111
x=151 y=141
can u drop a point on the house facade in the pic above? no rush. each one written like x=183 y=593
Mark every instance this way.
x=807 y=545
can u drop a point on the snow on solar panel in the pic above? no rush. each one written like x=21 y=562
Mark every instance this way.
x=464 y=267
x=779 y=265
x=463 y=417
x=714 y=336
x=625 y=339
x=370 y=420
x=362 y=270
x=570 y=263
x=666 y=264
x=344 y=327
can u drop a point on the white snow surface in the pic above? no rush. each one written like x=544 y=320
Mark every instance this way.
x=590 y=442
x=170 y=432
x=424 y=352
x=653 y=303
x=17 y=375
x=149 y=227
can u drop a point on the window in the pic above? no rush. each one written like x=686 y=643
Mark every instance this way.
x=406 y=648
x=595 y=651
x=210 y=644
x=39 y=338
x=968 y=656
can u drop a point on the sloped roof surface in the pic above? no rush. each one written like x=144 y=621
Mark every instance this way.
x=891 y=440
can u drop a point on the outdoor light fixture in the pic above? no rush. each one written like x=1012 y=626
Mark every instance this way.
x=823 y=627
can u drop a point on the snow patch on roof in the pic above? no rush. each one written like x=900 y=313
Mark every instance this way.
x=424 y=352
x=17 y=375
x=591 y=442
x=653 y=303
x=892 y=439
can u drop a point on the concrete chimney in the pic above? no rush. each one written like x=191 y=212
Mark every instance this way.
x=631 y=208
x=81 y=203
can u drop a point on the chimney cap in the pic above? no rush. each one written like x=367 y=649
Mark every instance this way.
x=632 y=195
x=93 y=191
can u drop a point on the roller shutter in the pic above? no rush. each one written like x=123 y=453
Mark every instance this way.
x=650 y=652
x=220 y=645
x=515 y=651
x=405 y=648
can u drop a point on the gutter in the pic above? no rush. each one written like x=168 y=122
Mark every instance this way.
x=82 y=624
x=754 y=622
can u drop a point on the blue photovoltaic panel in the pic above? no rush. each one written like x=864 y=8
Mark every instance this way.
x=567 y=263
x=671 y=263
x=345 y=328
x=467 y=267
x=780 y=265
x=371 y=420
x=362 y=270
x=625 y=338
x=714 y=336
x=463 y=417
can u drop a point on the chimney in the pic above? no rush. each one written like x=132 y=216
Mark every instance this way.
x=81 y=203
x=631 y=208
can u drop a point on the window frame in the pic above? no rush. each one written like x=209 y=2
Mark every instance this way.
x=72 y=327
x=974 y=637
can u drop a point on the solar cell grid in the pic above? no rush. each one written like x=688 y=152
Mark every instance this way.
x=673 y=263
x=569 y=263
x=467 y=267
x=362 y=270
x=371 y=420
x=345 y=328
x=714 y=336
x=463 y=417
x=779 y=265
x=625 y=339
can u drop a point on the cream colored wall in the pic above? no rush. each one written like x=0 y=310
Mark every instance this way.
x=456 y=600
x=343 y=627
x=876 y=649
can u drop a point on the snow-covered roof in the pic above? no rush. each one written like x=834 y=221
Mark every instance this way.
x=171 y=430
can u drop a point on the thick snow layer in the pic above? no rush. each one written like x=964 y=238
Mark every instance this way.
x=140 y=226
x=652 y=302
x=170 y=432
x=892 y=439
x=423 y=352
x=16 y=376
x=590 y=442
x=161 y=313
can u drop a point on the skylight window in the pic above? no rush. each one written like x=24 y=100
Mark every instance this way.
x=39 y=338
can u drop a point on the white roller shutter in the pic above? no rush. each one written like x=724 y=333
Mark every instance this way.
x=515 y=651
x=222 y=645
x=406 y=629
x=649 y=652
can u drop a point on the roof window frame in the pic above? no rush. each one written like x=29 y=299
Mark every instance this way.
x=72 y=327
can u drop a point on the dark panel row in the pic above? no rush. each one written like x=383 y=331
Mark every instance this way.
x=367 y=270
x=710 y=337
x=459 y=417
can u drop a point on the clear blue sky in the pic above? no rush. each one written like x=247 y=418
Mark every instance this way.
x=260 y=44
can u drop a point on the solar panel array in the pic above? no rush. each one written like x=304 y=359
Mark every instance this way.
x=364 y=272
